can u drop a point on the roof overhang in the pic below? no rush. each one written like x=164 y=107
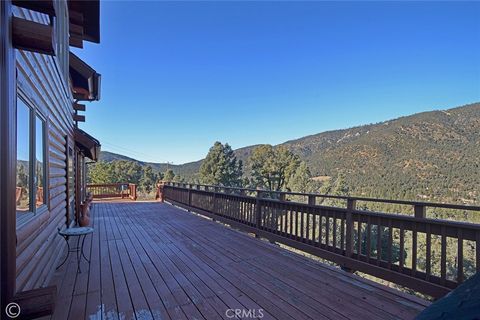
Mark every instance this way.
x=85 y=80
x=87 y=144
x=43 y=6
x=89 y=11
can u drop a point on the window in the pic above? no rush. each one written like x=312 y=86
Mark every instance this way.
x=31 y=164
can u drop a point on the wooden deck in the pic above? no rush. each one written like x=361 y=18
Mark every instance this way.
x=155 y=261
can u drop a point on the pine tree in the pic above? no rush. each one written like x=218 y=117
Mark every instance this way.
x=273 y=167
x=301 y=181
x=221 y=167
x=168 y=175
x=149 y=179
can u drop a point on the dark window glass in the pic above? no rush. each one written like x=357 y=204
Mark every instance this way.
x=23 y=157
x=40 y=161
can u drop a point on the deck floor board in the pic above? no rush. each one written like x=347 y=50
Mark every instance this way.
x=156 y=261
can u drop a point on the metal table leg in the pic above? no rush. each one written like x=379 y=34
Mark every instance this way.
x=83 y=253
x=68 y=253
x=78 y=255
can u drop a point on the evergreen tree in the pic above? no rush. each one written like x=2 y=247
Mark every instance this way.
x=273 y=167
x=221 y=167
x=340 y=188
x=22 y=176
x=168 y=175
x=301 y=181
x=179 y=178
x=149 y=179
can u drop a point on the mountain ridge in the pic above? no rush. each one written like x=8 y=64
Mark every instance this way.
x=409 y=157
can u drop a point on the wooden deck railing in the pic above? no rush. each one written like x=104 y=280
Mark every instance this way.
x=374 y=243
x=113 y=190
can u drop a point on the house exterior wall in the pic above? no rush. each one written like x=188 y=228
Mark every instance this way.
x=7 y=156
x=42 y=83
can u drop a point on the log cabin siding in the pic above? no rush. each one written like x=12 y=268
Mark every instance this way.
x=41 y=81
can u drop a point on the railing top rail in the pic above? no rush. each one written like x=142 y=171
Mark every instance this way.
x=108 y=184
x=346 y=198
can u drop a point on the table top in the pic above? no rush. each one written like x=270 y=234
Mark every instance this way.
x=76 y=231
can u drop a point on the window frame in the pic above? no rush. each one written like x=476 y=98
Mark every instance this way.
x=35 y=112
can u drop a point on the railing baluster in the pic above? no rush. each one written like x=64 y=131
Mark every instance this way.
x=302 y=226
x=402 y=248
x=390 y=243
x=369 y=235
x=327 y=230
x=320 y=228
x=334 y=227
x=314 y=226
x=428 y=266
x=296 y=225
x=311 y=202
x=359 y=237
x=443 y=259
x=414 y=249
x=276 y=215
x=379 y=241
x=243 y=209
x=307 y=227
x=291 y=222
x=460 y=256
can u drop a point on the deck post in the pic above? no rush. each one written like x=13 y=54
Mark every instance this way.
x=349 y=243
x=281 y=197
x=258 y=211
x=312 y=200
x=215 y=206
x=160 y=195
x=420 y=211
x=133 y=191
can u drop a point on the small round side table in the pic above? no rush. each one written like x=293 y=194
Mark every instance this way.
x=75 y=232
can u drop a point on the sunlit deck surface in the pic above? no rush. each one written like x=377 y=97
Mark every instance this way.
x=155 y=261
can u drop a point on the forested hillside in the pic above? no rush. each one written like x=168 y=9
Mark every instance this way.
x=187 y=169
x=432 y=156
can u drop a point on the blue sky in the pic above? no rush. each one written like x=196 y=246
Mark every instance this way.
x=178 y=76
